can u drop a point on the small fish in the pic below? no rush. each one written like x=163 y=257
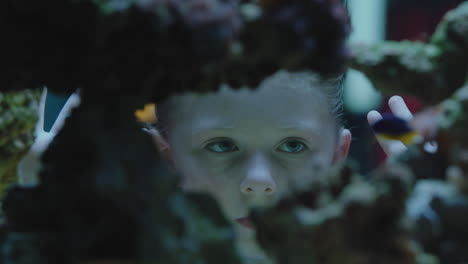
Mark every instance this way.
x=395 y=128
x=147 y=114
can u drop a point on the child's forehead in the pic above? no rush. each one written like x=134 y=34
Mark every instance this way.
x=267 y=94
x=288 y=86
x=266 y=102
x=281 y=97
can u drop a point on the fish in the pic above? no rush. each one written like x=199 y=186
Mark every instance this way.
x=395 y=128
x=147 y=114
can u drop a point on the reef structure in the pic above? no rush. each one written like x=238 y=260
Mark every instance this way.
x=18 y=117
x=414 y=208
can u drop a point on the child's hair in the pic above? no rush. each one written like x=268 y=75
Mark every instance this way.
x=303 y=81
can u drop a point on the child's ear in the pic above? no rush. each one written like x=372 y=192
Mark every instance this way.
x=342 y=149
x=160 y=143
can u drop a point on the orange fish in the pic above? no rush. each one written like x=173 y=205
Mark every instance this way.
x=147 y=114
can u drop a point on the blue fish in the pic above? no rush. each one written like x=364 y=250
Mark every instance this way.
x=394 y=128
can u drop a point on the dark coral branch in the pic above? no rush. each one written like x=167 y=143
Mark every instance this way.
x=293 y=35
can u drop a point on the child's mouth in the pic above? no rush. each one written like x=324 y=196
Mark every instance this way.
x=245 y=221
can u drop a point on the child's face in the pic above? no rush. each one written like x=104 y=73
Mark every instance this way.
x=252 y=147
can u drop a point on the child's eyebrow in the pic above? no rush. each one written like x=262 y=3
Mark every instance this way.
x=303 y=124
x=310 y=128
x=202 y=127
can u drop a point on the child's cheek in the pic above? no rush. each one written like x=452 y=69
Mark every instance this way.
x=309 y=175
x=201 y=175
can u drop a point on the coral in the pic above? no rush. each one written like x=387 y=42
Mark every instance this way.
x=286 y=35
x=157 y=47
x=104 y=193
x=106 y=196
x=435 y=72
x=430 y=71
x=414 y=208
x=119 y=202
x=355 y=222
x=18 y=116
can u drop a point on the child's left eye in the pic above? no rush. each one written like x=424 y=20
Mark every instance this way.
x=292 y=146
x=222 y=146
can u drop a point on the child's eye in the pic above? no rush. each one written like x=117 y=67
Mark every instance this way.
x=292 y=146
x=222 y=146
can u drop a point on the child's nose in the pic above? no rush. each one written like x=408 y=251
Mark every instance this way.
x=258 y=180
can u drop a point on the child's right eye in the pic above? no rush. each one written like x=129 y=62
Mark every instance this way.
x=292 y=146
x=222 y=146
